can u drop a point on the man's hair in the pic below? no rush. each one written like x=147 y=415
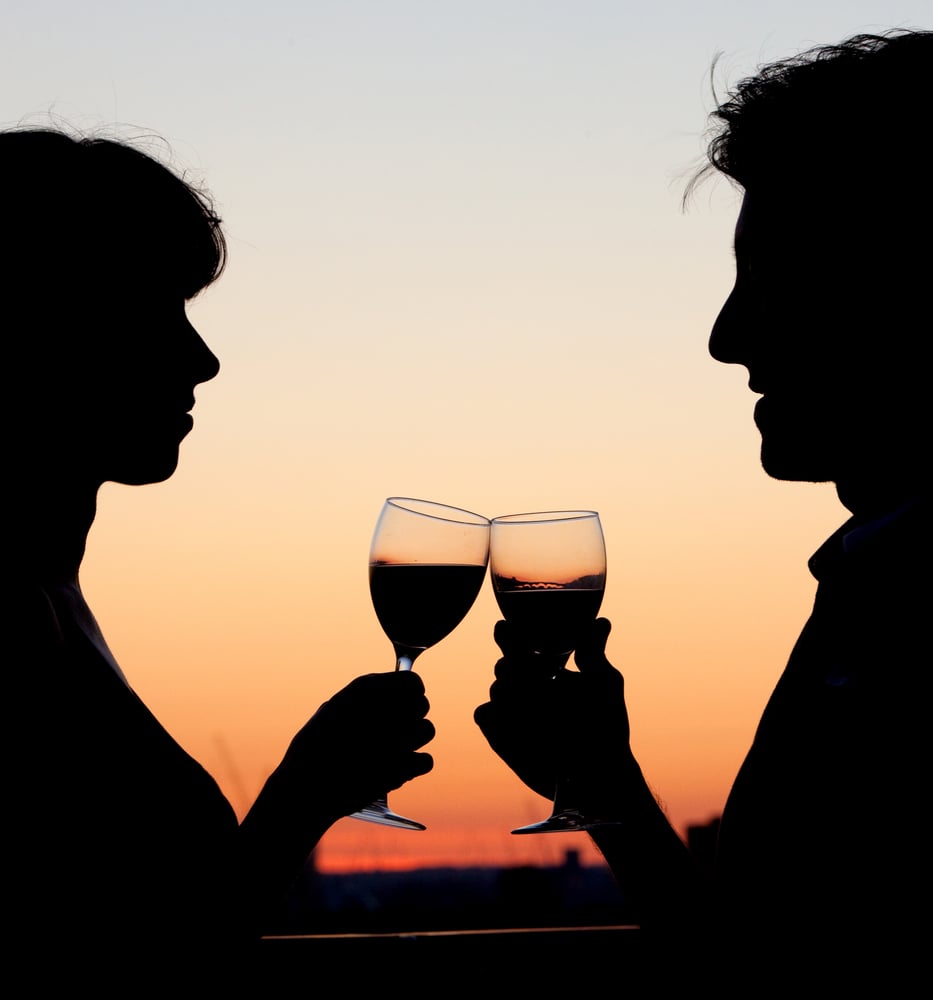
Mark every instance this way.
x=849 y=115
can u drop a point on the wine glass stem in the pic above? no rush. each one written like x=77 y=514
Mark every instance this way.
x=405 y=657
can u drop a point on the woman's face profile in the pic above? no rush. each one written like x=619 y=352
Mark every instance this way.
x=103 y=247
x=148 y=360
x=118 y=388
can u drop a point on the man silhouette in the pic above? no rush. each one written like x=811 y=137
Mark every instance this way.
x=822 y=860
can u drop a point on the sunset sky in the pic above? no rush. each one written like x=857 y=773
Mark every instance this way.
x=460 y=269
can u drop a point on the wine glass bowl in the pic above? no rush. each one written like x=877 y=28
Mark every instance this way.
x=427 y=563
x=548 y=572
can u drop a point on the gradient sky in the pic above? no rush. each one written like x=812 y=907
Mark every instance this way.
x=460 y=270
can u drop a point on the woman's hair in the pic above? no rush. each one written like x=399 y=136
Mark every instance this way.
x=848 y=115
x=76 y=211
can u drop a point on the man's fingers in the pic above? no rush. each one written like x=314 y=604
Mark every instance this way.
x=590 y=655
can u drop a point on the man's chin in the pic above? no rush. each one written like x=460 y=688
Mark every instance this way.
x=795 y=465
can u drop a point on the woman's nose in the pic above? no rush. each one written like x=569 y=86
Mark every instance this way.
x=205 y=364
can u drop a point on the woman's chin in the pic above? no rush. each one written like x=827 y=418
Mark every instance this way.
x=145 y=472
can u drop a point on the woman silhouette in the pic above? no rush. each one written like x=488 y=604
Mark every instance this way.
x=124 y=854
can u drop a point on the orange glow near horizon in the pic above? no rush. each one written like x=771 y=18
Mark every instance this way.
x=234 y=644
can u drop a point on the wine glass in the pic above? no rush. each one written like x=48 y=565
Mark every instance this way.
x=427 y=562
x=548 y=573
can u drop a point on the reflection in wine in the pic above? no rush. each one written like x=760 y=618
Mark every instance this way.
x=551 y=614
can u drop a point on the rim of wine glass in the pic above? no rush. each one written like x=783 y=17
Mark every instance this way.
x=404 y=503
x=541 y=516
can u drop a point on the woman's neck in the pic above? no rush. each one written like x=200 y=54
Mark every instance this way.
x=48 y=529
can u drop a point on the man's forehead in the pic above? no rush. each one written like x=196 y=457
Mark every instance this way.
x=771 y=208
x=785 y=217
x=759 y=222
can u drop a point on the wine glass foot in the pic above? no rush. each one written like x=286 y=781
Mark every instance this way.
x=379 y=812
x=565 y=821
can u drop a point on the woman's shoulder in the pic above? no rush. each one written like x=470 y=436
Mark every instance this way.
x=47 y=661
x=31 y=624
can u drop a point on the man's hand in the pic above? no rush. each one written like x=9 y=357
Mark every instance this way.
x=541 y=719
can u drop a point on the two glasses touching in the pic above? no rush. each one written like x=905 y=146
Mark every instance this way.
x=427 y=564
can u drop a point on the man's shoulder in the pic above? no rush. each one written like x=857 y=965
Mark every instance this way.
x=899 y=539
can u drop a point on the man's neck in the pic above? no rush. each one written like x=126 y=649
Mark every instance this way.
x=871 y=499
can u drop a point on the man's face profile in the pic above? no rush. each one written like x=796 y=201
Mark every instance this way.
x=808 y=317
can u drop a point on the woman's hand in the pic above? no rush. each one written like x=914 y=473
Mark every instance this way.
x=362 y=743
x=359 y=745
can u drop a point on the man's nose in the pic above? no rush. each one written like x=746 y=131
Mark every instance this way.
x=725 y=337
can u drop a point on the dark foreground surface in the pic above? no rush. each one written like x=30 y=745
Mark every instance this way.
x=570 y=961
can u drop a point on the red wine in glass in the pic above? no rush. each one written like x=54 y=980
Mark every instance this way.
x=418 y=604
x=427 y=563
x=553 y=613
